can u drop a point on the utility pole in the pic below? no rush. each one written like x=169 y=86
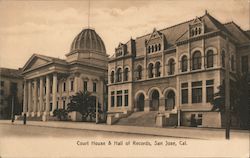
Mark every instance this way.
x=12 y=110
x=227 y=93
x=96 y=110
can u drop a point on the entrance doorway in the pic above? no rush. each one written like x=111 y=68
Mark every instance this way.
x=155 y=101
x=170 y=100
x=140 y=102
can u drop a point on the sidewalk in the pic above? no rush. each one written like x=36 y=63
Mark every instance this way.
x=179 y=132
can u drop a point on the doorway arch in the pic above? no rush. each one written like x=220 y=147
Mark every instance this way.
x=170 y=100
x=154 y=105
x=140 y=102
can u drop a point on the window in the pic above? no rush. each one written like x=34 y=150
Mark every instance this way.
x=210 y=59
x=199 y=119
x=112 y=99
x=13 y=88
x=210 y=90
x=50 y=106
x=64 y=86
x=64 y=104
x=139 y=72
x=184 y=63
x=57 y=105
x=112 y=77
x=159 y=47
x=119 y=98
x=232 y=63
x=171 y=65
x=197 y=92
x=119 y=75
x=126 y=97
x=150 y=70
x=1 y=92
x=126 y=74
x=244 y=64
x=223 y=58
x=184 y=93
x=157 y=69
x=152 y=47
x=94 y=87
x=197 y=60
x=72 y=85
x=2 y=83
x=149 y=49
x=85 y=85
x=156 y=48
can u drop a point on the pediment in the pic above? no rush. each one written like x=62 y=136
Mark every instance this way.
x=155 y=36
x=35 y=61
x=197 y=20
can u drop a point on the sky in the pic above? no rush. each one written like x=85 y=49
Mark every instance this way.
x=49 y=27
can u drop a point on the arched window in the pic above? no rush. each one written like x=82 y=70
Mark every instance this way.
x=139 y=72
x=125 y=74
x=156 y=49
x=232 y=63
x=196 y=60
x=184 y=63
x=112 y=77
x=157 y=69
x=119 y=75
x=170 y=100
x=210 y=58
x=199 y=30
x=159 y=47
x=150 y=70
x=171 y=65
x=196 y=31
x=223 y=58
x=149 y=49
x=152 y=48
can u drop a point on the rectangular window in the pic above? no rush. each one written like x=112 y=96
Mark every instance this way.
x=119 y=98
x=199 y=119
x=1 y=92
x=94 y=87
x=197 y=92
x=85 y=85
x=126 y=97
x=13 y=88
x=244 y=64
x=64 y=104
x=64 y=86
x=112 y=99
x=50 y=106
x=2 y=83
x=184 y=93
x=209 y=90
x=72 y=85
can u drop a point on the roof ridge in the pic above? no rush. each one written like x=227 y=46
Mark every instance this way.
x=240 y=29
x=172 y=26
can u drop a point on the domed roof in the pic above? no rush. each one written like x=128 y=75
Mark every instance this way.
x=88 y=39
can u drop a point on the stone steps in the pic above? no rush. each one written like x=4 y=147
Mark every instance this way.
x=146 y=119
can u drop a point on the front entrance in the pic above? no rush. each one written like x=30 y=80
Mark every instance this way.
x=170 y=100
x=154 y=106
x=140 y=102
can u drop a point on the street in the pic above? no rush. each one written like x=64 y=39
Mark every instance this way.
x=16 y=130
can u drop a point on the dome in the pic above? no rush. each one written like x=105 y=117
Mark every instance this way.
x=88 y=39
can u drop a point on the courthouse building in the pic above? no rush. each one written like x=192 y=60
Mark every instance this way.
x=175 y=71
x=50 y=82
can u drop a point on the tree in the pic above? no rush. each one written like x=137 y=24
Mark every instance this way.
x=238 y=99
x=84 y=103
x=61 y=114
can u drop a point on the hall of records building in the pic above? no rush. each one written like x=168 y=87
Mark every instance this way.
x=175 y=71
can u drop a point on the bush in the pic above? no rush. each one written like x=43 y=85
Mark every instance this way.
x=61 y=114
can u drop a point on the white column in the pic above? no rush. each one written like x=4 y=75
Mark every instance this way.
x=25 y=101
x=204 y=93
x=54 y=91
x=29 y=98
x=40 y=97
x=34 y=110
x=47 y=95
x=76 y=84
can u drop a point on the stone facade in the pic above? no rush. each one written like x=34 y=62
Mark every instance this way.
x=177 y=70
x=11 y=86
x=50 y=82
